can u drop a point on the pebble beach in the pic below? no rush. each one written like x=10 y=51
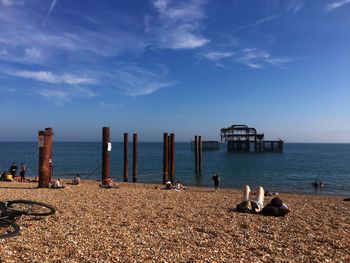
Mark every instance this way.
x=141 y=223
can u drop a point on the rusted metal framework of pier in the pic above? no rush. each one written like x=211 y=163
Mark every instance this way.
x=241 y=138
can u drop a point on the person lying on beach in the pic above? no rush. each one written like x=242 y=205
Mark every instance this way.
x=251 y=206
x=35 y=180
x=109 y=184
x=57 y=184
x=276 y=207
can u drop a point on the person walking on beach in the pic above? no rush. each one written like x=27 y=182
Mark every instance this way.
x=216 y=180
x=23 y=172
x=13 y=169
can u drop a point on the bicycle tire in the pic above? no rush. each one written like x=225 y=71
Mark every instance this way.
x=9 y=224
x=28 y=205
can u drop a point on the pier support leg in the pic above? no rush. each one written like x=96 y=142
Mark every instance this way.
x=165 y=157
x=134 y=160
x=125 y=174
x=199 y=154
x=105 y=155
x=45 y=157
x=172 y=157
x=196 y=153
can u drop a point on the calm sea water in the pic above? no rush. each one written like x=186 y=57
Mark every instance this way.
x=292 y=171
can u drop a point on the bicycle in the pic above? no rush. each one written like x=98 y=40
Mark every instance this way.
x=11 y=210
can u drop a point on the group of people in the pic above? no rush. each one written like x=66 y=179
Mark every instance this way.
x=178 y=186
x=11 y=174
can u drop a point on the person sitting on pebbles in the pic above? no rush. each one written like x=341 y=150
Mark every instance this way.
x=109 y=184
x=57 y=184
x=168 y=186
x=76 y=180
x=180 y=186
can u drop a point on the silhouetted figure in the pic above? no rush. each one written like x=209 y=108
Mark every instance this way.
x=13 y=169
x=216 y=180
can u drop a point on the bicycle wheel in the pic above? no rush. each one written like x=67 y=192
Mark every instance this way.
x=30 y=208
x=8 y=228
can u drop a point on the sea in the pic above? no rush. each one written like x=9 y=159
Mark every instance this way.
x=293 y=171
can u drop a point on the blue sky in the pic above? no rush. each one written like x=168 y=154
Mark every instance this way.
x=188 y=67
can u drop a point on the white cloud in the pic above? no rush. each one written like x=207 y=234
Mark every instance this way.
x=215 y=56
x=137 y=81
x=177 y=25
x=58 y=95
x=258 y=58
x=53 y=3
x=49 y=77
x=9 y=3
x=337 y=4
x=33 y=53
x=258 y=22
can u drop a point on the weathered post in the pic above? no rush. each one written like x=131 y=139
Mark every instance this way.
x=172 y=157
x=200 y=153
x=134 y=160
x=106 y=147
x=165 y=157
x=45 y=157
x=196 y=153
x=125 y=157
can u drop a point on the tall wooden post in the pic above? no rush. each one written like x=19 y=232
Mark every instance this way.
x=196 y=153
x=134 y=159
x=200 y=153
x=172 y=157
x=105 y=155
x=45 y=157
x=125 y=157
x=165 y=157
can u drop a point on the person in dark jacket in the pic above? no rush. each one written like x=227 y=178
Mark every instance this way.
x=216 y=180
x=13 y=169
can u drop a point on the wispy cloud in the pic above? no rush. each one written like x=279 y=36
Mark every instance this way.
x=9 y=3
x=295 y=6
x=177 y=25
x=33 y=53
x=258 y=58
x=216 y=55
x=251 y=57
x=53 y=3
x=137 y=81
x=58 y=96
x=258 y=22
x=49 y=77
x=332 y=6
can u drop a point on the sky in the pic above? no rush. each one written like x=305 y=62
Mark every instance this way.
x=188 y=67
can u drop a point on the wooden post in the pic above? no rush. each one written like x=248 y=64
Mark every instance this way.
x=200 y=153
x=196 y=152
x=172 y=157
x=134 y=160
x=165 y=157
x=126 y=141
x=45 y=157
x=105 y=155
x=48 y=143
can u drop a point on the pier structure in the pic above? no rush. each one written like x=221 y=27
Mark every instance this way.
x=241 y=138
